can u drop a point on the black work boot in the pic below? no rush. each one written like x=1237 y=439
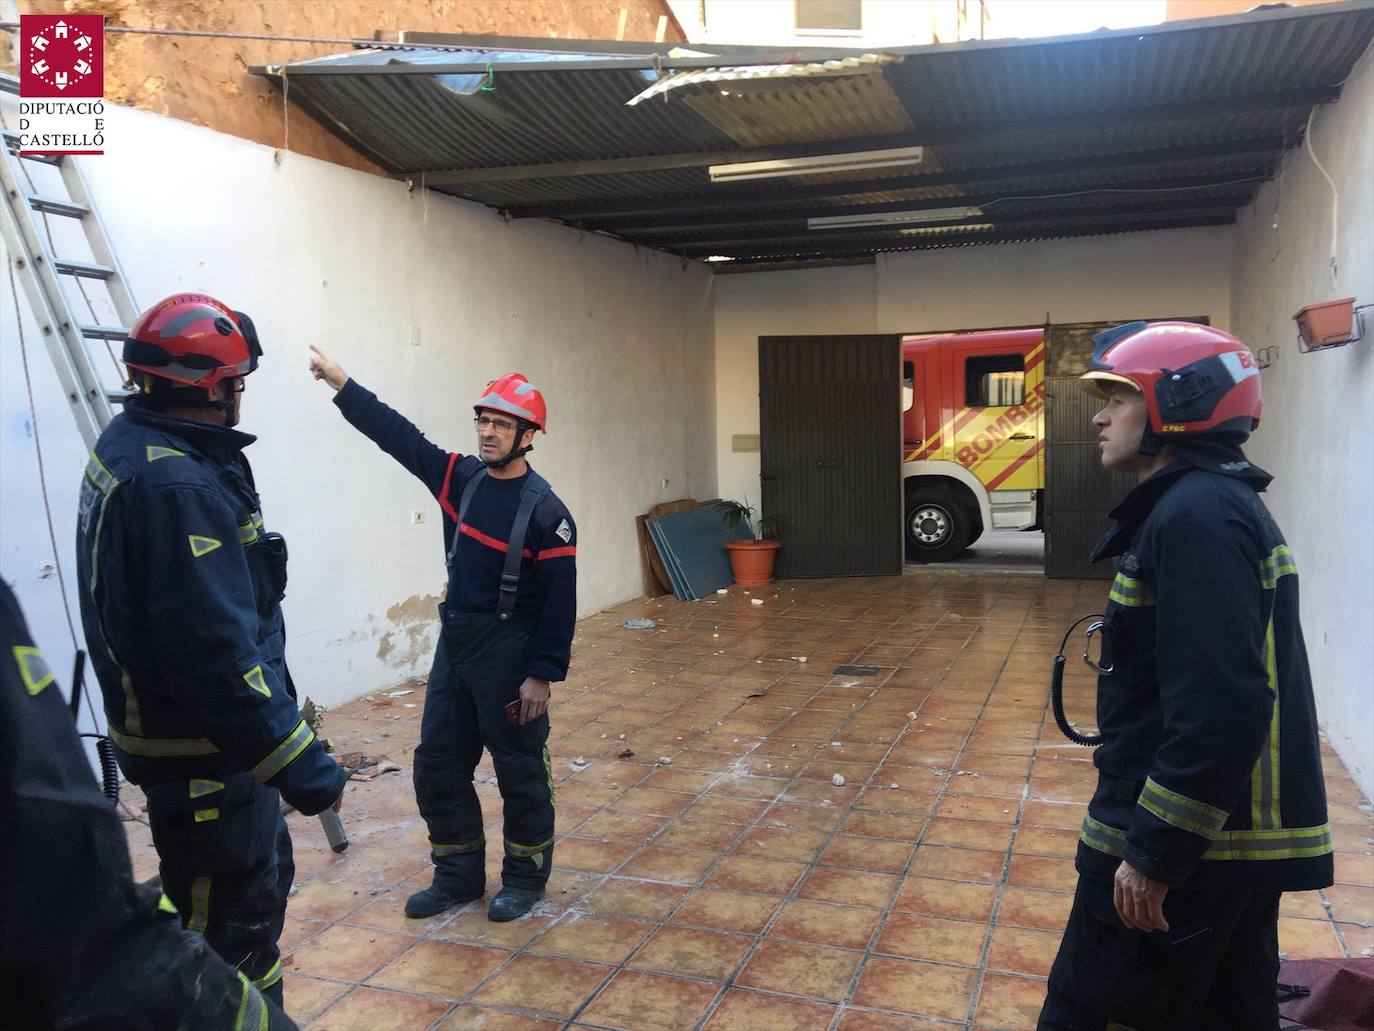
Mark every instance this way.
x=436 y=899
x=511 y=903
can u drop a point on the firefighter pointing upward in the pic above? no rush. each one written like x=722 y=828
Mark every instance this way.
x=507 y=627
x=1209 y=800
x=181 y=587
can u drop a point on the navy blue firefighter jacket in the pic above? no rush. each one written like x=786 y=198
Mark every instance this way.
x=1210 y=772
x=548 y=570
x=181 y=588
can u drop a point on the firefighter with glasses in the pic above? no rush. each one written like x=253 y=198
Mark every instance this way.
x=506 y=634
x=1210 y=801
x=181 y=586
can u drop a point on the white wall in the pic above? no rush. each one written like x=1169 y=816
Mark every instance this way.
x=619 y=341
x=774 y=23
x=1317 y=436
x=1141 y=275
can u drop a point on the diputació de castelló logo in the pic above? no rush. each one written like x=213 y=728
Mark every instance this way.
x=62 y=84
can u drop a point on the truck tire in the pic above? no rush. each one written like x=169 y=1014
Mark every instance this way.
x=940 y=525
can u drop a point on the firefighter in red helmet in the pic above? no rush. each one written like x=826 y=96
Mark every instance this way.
x=506 y=634
x=181 y=588
x=1210 y=800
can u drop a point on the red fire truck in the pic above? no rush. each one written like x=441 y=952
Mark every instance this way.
x=973 y=429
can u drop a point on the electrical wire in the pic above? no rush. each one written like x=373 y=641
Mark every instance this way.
x=38 y=448
x=1125 y=189
x=1335 y=194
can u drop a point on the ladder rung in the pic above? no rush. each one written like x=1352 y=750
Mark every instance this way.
x=117 y=397
x=53 y=206
x=104 y=332
x=83 y=269
x=12 y=141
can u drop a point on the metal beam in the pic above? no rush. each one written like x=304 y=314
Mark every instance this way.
x=1295 y=99
x=800 y=234
x=789 y=216
x=752 y=200
x=854 y=249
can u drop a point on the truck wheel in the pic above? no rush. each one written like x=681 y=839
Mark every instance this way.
x=939 y=525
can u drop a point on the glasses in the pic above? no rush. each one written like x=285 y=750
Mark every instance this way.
x=499 y=425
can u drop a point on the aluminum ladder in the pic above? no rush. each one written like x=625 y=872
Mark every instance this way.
x=28 y=248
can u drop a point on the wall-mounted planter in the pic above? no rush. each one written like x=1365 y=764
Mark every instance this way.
x=1326 y=325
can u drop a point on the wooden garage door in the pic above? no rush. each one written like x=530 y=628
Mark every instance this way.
x=830 y=414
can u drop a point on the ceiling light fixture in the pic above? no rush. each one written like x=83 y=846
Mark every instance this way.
x=890 y=219
x=856 y=161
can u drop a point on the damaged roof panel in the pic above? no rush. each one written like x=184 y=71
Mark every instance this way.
x=1183 y=116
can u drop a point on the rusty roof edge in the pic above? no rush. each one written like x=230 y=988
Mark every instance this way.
x=313 y=66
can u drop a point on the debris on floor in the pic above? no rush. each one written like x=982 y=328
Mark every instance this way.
x=639 y=624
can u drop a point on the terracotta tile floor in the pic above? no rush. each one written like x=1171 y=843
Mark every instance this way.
x=737 y=887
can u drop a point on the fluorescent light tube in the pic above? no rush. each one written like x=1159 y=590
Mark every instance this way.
x=853 y=162
x=892 y=218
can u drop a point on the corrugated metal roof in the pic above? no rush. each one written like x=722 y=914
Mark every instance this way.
x=1185 y=115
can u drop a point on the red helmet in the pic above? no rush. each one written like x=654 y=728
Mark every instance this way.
x=1195 y=379
x=192 y=339
x=517 y=396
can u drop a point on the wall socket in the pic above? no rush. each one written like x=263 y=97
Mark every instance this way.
x=417 y=516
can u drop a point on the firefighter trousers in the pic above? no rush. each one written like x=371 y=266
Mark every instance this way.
x=479 y=666
x=1214 y=968
x=226 y=864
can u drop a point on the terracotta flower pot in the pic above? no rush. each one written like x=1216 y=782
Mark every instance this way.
x=751 y=562
x=1326 y=325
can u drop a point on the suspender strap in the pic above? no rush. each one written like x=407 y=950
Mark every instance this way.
x=469 y=489
x=534 y=490
x=530 y=495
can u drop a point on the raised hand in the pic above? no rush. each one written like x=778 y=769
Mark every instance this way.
x=326 y=368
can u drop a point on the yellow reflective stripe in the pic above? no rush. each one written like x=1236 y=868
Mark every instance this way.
x=1280 y=843
x=1264 y=778
x=162 y=746
x=1278 y=563
x=548 y=773
x=164 y=904
x=200 y=905
x=252 y=1015
x=206 y=815
x=155 y=452
x=200 y=788
x=461 y=848
x=248 y=533
x=1181 y=811
x=254 y=679
x=133 y=721
x=1103 y=837
x=104 y=480
x=201 y=545
x=257 y=520
x=285 y=753
x=1130 y=592
x=270 y=978
x=526 y=851
x=33 y=670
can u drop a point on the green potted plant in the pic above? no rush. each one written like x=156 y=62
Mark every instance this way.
x=751 y=561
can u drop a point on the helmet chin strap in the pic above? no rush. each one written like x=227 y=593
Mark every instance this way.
x=194 y=398
x=515 y=452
